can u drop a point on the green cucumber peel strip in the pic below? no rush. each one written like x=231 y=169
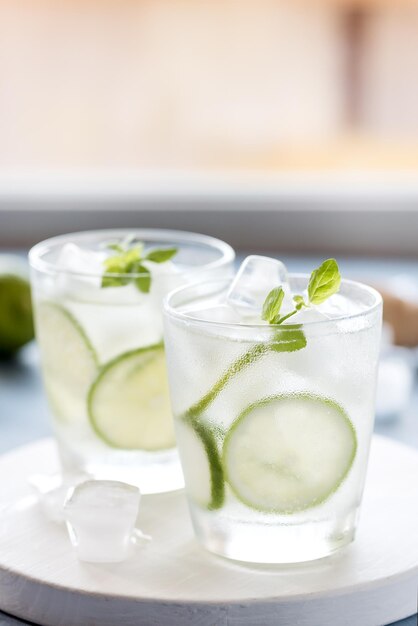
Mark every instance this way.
x=289 y=340
x=217 y=486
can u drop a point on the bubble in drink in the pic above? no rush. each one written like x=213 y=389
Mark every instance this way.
x=101 y=516
x=255 y=278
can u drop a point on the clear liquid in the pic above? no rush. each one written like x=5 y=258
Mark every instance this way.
x=338 y=364
x=113 y=329
x=274 y=540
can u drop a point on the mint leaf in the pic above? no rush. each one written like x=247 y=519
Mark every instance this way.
x=114 y=281
x=290 y=339
x=143 y=282
x=324 y=282
x=128 y=261
x=272 y=305
x=122 y=263
x=299 y=302
x=115 y=246
x=161 y=255
x=114 y=265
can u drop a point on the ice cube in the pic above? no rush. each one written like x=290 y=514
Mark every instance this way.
x=76 y=259
x=165 y=277
x=52 y=490
x=339 y=306
x=101 y=516
x=221 y=313
x=256 y=277
x=307 y=316
x=81 y=278
x=81 y=270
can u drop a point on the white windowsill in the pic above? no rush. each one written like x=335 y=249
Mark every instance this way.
x=350 y=213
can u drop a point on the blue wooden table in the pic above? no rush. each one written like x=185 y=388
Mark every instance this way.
x=23 y=410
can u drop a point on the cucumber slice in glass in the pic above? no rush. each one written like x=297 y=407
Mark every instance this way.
x=288 y=453
x=68 y=359
x=201 y=463
x=128 y=403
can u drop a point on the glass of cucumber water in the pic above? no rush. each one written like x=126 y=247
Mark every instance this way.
x=272 y=380
x=98 y=315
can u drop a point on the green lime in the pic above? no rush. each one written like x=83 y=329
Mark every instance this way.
x=128 y=403
x=202 y=466
x=16 y=322
x=68 y=359
x=288 y=453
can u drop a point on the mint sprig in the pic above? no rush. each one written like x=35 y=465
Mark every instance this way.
x=324 y=282
x=129 y=260
x=272 y=306
x=161 y=255
x=290 y=338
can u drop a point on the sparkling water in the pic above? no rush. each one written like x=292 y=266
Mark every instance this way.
x=103 y=357
x=275 y=489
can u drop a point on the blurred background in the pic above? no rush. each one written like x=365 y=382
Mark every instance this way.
x=270 y=85
x=287 y=127
x=166 y=112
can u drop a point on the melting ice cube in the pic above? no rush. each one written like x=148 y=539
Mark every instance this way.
x=82 y=269
x=52 y=490
x=101 y=516
x=307 y=316
x=76 y=259
x=256 y=277
x=339 y=306
x=221 y=313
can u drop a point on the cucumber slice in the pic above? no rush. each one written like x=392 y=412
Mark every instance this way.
x=288 y=453
x=68 y=359
x=129 y=404
x=202 y=467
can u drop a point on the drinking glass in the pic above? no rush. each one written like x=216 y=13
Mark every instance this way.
x=102 y=353
x=273 y=423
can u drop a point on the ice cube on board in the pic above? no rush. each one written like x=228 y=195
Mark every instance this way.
x=256 y=277
x=52 y=490
x=101 y=516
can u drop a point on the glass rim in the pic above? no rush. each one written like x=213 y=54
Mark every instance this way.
x=170 y=236
x=171 y=311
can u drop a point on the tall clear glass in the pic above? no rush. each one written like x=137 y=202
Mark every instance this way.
x=273 y=423
x=102 y=351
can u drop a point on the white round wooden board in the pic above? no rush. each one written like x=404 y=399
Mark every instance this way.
x=175 y=582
